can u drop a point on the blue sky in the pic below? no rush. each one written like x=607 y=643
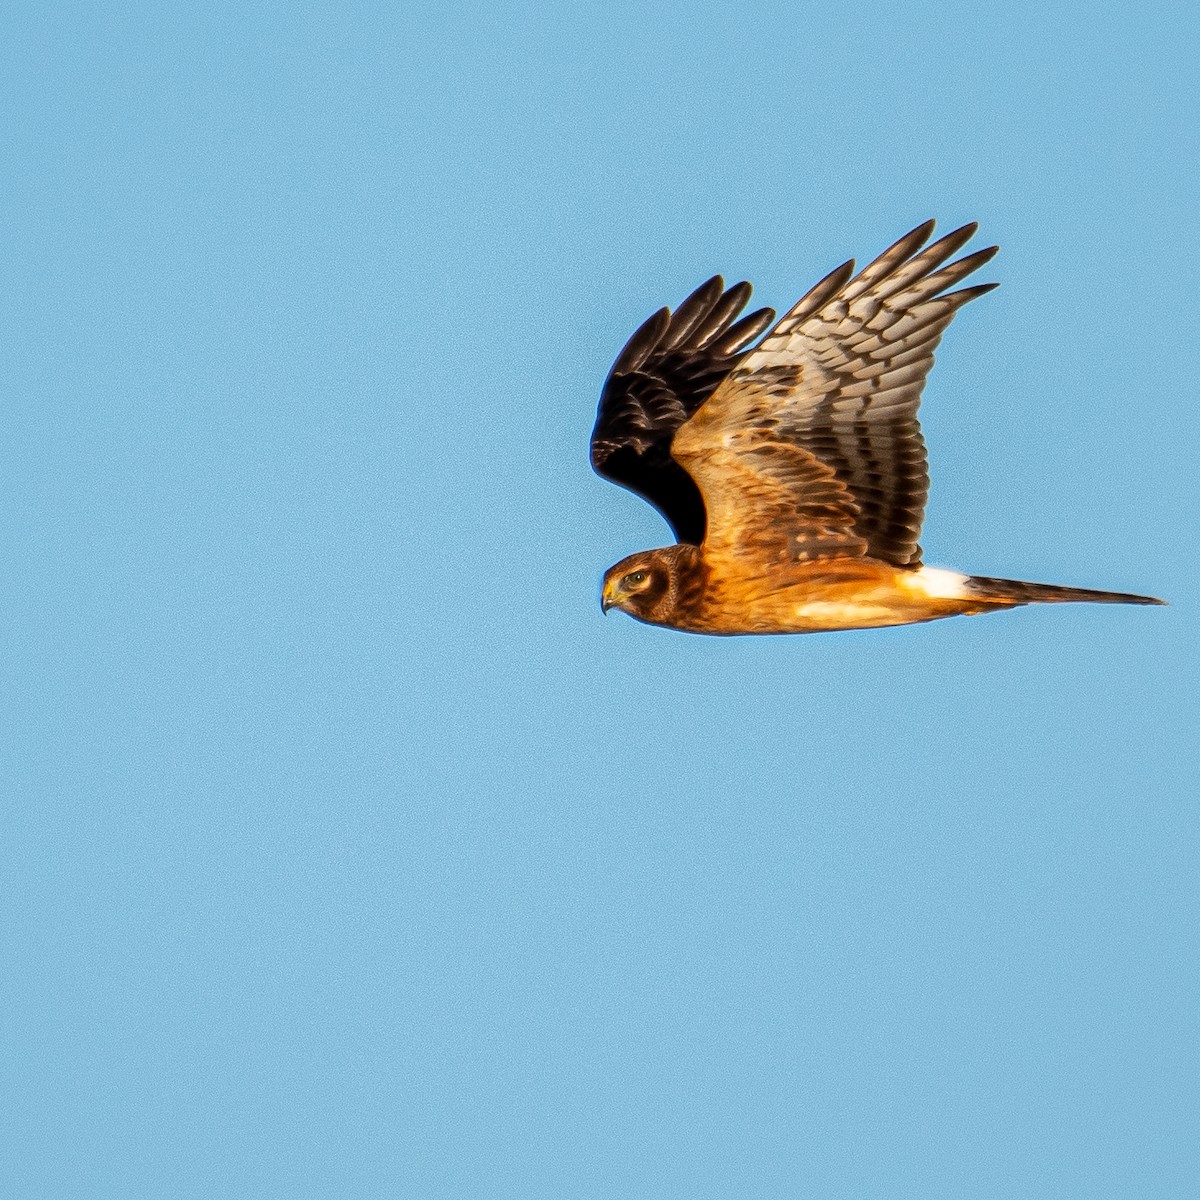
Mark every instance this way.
x=347 y=850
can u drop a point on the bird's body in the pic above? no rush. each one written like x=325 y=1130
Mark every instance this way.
x=819 y=596
x=794 y=472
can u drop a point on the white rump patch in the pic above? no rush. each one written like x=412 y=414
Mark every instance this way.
x=939 y=584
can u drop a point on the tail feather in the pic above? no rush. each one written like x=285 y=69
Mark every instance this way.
x=1014 y=591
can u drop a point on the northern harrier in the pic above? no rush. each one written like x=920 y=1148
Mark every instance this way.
x=793 y=473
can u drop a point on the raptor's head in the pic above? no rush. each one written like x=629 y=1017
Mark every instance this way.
x=645 y=585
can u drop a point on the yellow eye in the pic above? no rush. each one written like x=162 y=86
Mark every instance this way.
x=635 y=579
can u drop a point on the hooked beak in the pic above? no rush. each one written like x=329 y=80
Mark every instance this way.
x=608 y=598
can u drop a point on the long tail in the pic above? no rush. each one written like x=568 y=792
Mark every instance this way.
x=1013 y=591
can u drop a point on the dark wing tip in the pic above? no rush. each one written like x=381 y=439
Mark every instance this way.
x=979 y=257
x=911 y=242
x=739 y=335
x=693 y=312
x=737 y=294
x=643 y=343
x=965 y=295
x=819 y=294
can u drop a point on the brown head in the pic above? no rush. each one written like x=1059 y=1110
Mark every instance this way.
x=651 y=585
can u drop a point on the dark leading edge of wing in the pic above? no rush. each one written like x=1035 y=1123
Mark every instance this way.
x=670 y=366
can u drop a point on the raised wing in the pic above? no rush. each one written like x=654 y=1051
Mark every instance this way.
x=836 y=384
x=670 y=366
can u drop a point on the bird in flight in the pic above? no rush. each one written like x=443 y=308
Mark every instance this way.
x=793 y=472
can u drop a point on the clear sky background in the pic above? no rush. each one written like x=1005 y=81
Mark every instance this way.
x=347 y=850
